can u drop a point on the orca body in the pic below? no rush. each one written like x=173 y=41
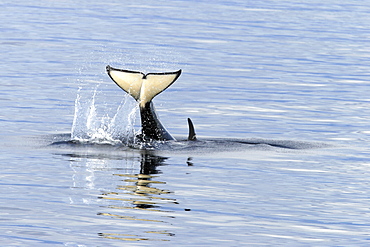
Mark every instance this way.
x=143 y=88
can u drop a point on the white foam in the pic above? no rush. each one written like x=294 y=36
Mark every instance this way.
x=89 y=125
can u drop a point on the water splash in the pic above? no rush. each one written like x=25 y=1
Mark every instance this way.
x=91 y=127
x=97 y=118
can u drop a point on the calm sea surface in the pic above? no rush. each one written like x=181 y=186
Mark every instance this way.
x=288 y=71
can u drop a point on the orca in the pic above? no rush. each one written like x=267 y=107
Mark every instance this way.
x=143 y=88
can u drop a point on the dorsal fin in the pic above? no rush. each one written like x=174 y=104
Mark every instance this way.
x=141 y=87
x=192 y=136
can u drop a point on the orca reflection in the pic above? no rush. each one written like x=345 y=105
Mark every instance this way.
x=139 y=194
x=144 y=181
x=143 y=88
x=141 y=187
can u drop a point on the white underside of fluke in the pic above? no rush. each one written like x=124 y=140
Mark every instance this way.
x=141 y=87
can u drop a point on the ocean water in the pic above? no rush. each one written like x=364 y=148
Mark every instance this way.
x=278 y=92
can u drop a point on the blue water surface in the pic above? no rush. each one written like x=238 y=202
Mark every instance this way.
x=284 y=71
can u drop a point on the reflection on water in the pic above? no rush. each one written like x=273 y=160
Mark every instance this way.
x=131 y=197
x=142 y=184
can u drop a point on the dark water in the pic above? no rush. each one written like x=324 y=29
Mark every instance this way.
x=278 y=93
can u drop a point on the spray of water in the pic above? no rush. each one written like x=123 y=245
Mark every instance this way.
x=91 y=127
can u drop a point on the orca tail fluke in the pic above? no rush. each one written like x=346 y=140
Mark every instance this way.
x=192 y=136
x=142 y=87
x=129 y=81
